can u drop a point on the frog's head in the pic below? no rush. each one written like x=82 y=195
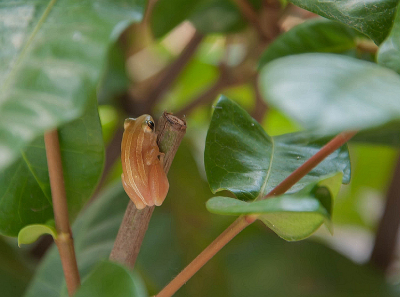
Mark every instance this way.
x=145 y=121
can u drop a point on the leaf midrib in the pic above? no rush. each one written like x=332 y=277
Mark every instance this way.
x=268 y=172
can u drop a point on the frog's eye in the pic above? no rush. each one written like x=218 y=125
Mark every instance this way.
x=150 y=124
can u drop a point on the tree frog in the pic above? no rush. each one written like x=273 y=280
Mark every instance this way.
x=143 y=177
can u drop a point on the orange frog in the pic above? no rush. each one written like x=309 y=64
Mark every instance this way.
x=143 y=177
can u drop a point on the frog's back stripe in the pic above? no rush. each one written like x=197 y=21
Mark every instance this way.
x=139 y=156
x=129 y=168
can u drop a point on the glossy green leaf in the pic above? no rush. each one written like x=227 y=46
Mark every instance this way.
x=373 y=18
x=207 y=16
x=315 y=35
x=240 y=157
x=389 y=50
x=53 y=53
x=25 y=186
x=330 y=93
x=291 y=216
x=111 y=279
x=31 y=233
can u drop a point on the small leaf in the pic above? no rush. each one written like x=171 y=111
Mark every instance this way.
x=373 y=18
x=315 y=35
x=330 y=93
x=240 y=157
x=389 y=50
x=31 y=233
x=111 y=279
x=94 y=235
x=291 y=216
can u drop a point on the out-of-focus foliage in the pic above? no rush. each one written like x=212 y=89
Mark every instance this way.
x=15 y=272
x=329 y=94
x=389 y=52
x=111 y=279
x=207 y=16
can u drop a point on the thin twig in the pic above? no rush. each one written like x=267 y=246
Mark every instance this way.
x=387 y=233
x=134 y=225
x=206 y=97
x=260 y=107
x=149 y=11
x=244 y=221
x=234 y=229
x=64 y=240
x=173 y=70
x=307 y=166
x=252 y=16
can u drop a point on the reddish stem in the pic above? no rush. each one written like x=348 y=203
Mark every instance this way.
x=307 y=166
x=64 y=241
x=243 y=221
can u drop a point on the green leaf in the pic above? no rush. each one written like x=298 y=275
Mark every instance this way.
x=111 y=279
x=240 y=157
x=265 y=265
x=31 y=233
x=15 y=271
x=373 y=18
x=25 y=186
x=115 y=80
x=167 y=14
x=53 y=53
x=316 y=35
x=109 y=121
x=389 y=50
x=208 y=16
x=291 y=216
x=330 y=93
